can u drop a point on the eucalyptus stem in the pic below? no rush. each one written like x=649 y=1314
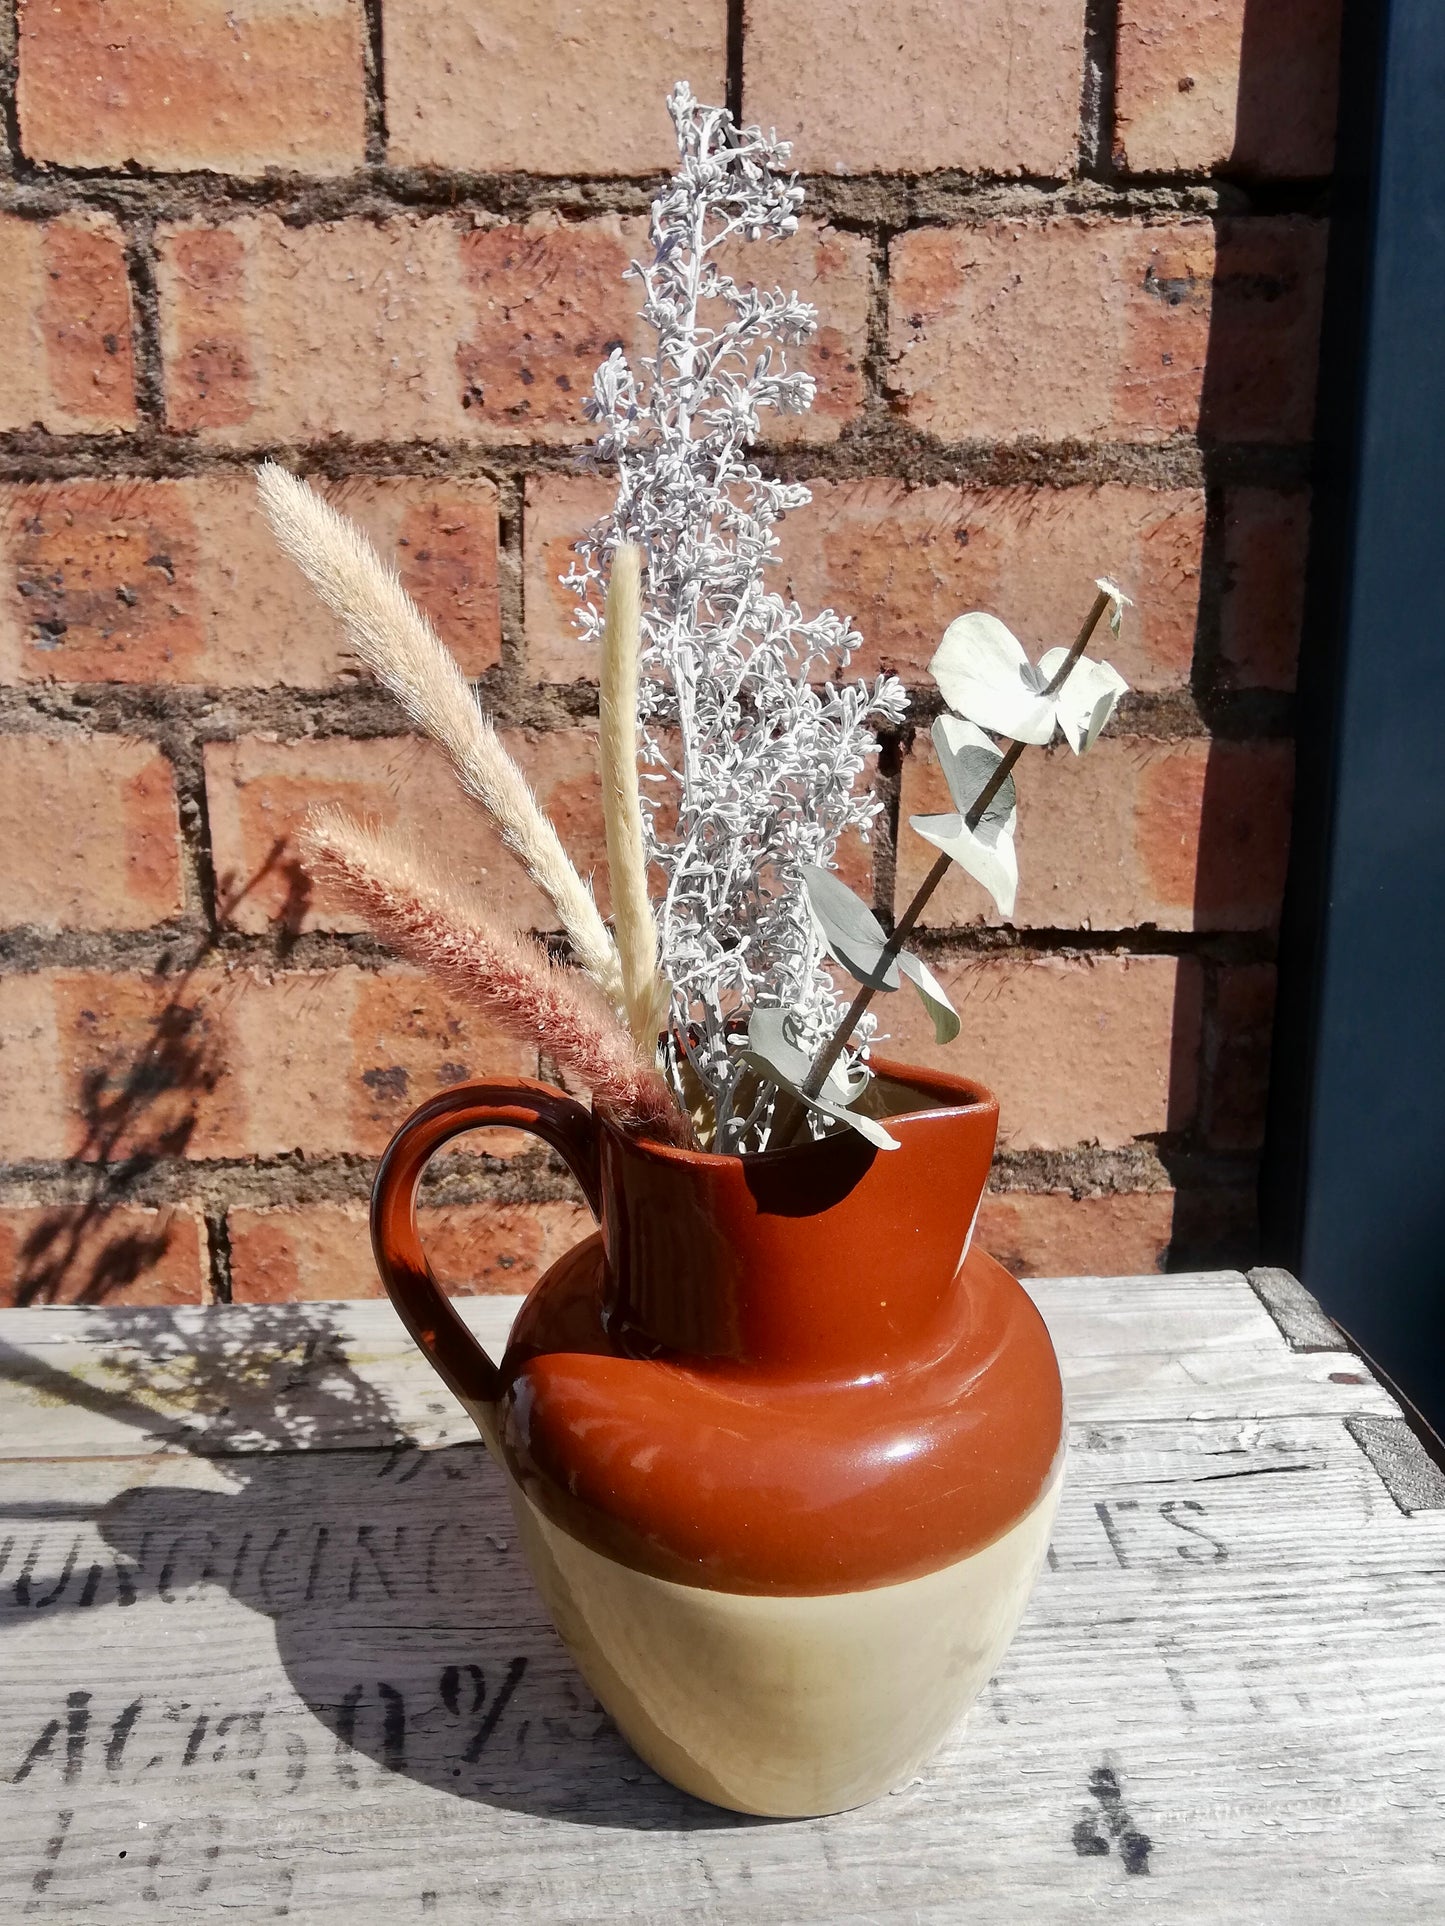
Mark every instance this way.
x=793 y=1110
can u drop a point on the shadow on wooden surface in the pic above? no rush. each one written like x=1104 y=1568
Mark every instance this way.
x=403 y=1614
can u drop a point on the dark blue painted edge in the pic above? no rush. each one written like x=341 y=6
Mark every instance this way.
x=1353 y=1188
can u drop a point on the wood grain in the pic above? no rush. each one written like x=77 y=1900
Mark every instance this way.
x=270 y=1651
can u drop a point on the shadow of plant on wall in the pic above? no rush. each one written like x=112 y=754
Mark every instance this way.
x=131 y=1122
x=284 y=919
x=138 y=1108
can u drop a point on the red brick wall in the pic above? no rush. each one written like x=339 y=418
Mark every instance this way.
x=1068 y=256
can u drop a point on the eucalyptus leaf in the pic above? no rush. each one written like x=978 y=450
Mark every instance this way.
x=985 y=676
x=1088 y=698
x=968 y=759
x=848 y=929
x=946 y=1023
x=772 y=1036
x=867 y=1127
x=991 y=860
x=773 y=1053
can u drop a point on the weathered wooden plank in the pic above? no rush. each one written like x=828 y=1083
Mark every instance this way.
x=318 y=1684
x=245 y=1378
x=1201 y=1299
x=206 y=1328
x=1302 y=1323
x=234 y=1378
x=1411 y=1476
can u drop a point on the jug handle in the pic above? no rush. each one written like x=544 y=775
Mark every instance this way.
x=425 y=1308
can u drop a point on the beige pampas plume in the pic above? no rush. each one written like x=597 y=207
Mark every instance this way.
x=645 y=993
x=401 y=648
x=382 y=876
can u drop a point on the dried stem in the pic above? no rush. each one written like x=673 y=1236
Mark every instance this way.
x=787 y=1125
x=645 y=994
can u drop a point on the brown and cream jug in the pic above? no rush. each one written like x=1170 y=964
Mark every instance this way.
x=784 y=1449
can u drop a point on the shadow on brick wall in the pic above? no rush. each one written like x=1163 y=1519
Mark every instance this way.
x=1257 y=409
x=1288 y=84
x=138 y=1108
x=130 y=1121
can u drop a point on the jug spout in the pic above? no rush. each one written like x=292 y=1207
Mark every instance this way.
x=826 y=1258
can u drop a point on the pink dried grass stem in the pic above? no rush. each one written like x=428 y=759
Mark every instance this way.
x=381 y=875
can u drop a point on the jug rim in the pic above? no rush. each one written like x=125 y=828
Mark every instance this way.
x=963 y=1096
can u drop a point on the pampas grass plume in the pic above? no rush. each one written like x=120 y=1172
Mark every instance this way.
x=380 y=874
x=403 y=650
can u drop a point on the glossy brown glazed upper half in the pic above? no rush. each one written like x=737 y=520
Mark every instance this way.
x=766 y=1374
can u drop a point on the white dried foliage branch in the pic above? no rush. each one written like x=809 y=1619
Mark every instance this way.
x=752 y=748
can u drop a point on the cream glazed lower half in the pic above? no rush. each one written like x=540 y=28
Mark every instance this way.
x=787 y=1706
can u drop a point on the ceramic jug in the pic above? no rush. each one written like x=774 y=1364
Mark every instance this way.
x=784 y=1450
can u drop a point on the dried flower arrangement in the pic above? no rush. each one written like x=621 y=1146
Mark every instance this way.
x=710 y=1017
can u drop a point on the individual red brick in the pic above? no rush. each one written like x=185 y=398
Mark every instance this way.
x=903 y=562
x=65 y=317
x=1259 y=381
x=548 y=303
x=584 y=87
x=402 y=328
x=299 y=1252
x=182 y=581
x=1266 y=543
x=259 y=792
x=102 y=1066
x=1238 y=1082
x=100 y=582
x=234 y=85
x=918 y=84
x=551 y=289
x=146 y=1067
x=1083 y=1049
x=1235 y=84
x=408 y=1039
x=1216 y=1227
x=83 y=1254
x=1121 y=330
x=1053 y=1234
x=207 y=324
x=483 y=1249
x=1214 y=828
x=1181 y=835
x=90 y=831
